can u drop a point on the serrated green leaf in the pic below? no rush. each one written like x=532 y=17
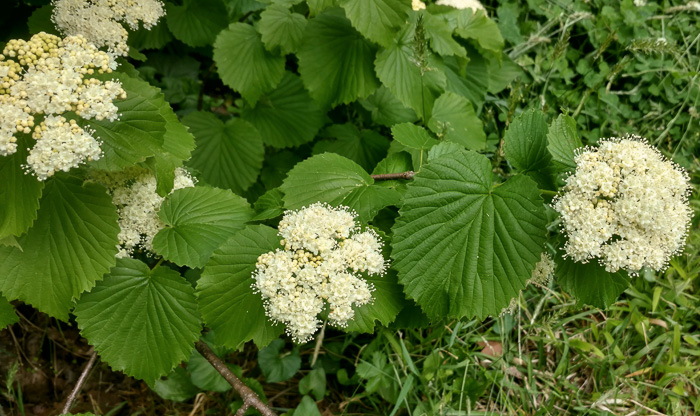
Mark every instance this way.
x=563 y=140
x=388 y=301
x=287 y=116
x=244 y=63
x=366 y=147
x=314 y=382
x=307 y=407
x=386 y=109
x=462 y=246
x=228 y=155
x=454 y=119
x=335 y=61
x=153 y=38
x=71 y=245
x=397 y=69
x=121 y=316
x=442 y=149
x=589 y=283
x=197 y=22
x=317 y=6
x=331 y=178
x=276 y=366
x=197 y=221
x=412 y=136
x=377 y=20
x=7 y=313
x=281 y=28
x=269 y=205
x=226 y=298
x=20 y=192
x=476 y=25
x=177 y=386
x=439 y=33
x=139 y=132
x=525 y=142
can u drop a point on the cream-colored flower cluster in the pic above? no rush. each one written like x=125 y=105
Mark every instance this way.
x=134 y=193
x=46 y=76
x=99 y=20
x=462 y=4
x=626 y=205
x=323 y=257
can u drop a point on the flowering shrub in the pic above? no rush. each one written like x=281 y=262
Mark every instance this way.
x=248 y=195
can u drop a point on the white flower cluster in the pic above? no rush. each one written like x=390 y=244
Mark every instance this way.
x=462 y=4
x=134 y=193
x=324 y=254
x=46 y=76
x=99 y=20
x=626 y=205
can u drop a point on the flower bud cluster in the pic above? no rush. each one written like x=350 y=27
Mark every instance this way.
x=134 y=193
x=626 y=205
x=99 y=20
x=323 y=258
x=45 y=76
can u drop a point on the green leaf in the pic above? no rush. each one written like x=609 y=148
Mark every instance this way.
x=501 y=73
x=388 y=301
x=377 y=20
x=20 y=192
x=525 y=142
x=442 y=149
x=338 y=181
x=228 y=155
x=563 y=140
x=476 y=25
x=589 y=283
x=153 y=38
x=317 y=6
x=244 y=63
x=141 y=321
x=468 y=78
x=462 y=246
x=177 y=386
x=386 y=109
x=197 y=22
x=439 y=33
x=335 y=61
x=136 y=135
x=7 y=313
x=71 y=245
x=307 y=407
x=366 y=147
x=204 y=375
x=276 y=366
x=226 y=298
x=40 y=21
x=454 y=119
x=269 y=205
x=397 y=69
x=314 y=382
x=281 y=28
x=197 y=221
x=413 y=137
x=287 y=116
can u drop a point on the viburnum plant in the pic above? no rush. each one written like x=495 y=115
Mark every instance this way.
x=353 y=129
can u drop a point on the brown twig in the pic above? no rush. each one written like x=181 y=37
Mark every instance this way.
x=79 y=384
x=250 y=399
x=391 y=176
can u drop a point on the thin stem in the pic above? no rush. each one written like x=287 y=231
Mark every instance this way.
x=389 y=176
x=548 y=192
x=249 y=397
x=79 y=384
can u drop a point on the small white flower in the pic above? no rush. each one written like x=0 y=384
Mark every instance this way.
x=626 y=205
x=323 y=256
